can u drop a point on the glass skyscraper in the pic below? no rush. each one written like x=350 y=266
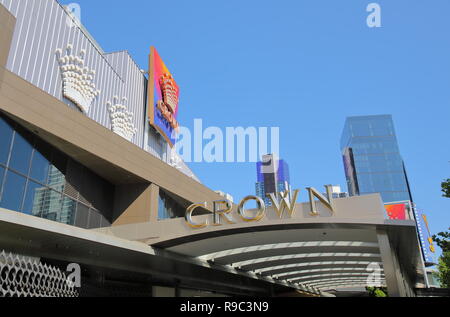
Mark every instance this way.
x=372 y=159
x=373 y=164
x=272 y=177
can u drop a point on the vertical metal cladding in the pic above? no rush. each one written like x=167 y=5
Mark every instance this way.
x=41 y=28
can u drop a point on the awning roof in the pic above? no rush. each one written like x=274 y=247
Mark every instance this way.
x=328 y=262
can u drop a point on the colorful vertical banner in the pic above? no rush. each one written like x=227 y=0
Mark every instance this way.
x=426 y=238
x=404 y=211
x=163 y=98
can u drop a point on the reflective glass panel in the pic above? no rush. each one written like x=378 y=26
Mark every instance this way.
x=21 y=154
x=68 y=210
x=39 y=167
x=5 y=140
x=33 y=192
x=56 y=178
x=2 y=172
x=13 y=192
x=47 y=204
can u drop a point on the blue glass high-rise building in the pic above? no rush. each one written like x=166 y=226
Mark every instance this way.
x=272 y=177
x=372 y=159
x=373 y=164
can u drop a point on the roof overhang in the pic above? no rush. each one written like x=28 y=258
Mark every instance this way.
x=40 y=238
x=333 y=250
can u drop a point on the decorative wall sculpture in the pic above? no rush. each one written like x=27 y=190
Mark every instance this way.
x=78 y=85
x=121 y=119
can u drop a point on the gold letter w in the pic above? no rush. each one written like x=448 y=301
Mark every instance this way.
x=285 y=203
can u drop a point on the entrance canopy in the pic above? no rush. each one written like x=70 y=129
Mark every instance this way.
x=354 y=246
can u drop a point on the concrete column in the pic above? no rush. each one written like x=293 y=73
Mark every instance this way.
x=390 y=264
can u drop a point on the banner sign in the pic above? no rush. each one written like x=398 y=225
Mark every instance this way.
x=163 y=98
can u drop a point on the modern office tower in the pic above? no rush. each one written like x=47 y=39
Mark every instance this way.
x=373 y=164
x=225 y=195
x=336 y=192
x=372 y=159
x=272 y=177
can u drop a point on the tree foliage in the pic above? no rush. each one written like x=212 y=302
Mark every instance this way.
x=444 y=269
x=446 y=188
x=377 y=291
x=442 y=239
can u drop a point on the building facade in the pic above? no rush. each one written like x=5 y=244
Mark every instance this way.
x=372 y=159
x=272 y=177
x=373 y=164
x=86 y=182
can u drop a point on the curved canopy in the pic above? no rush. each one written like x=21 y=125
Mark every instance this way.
x=332 y=260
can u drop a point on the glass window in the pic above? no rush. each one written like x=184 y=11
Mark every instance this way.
x=382 y=126
x=394 y=196
x=168 y=208
x=56 y=178
x=32 y=198
x=49 y=203
x=5 y=140
x=2 y=172
x=161 y=209
x=68 y=210
x=13 y=191
x=39 y=168
x=360 y=129
x=21 y=154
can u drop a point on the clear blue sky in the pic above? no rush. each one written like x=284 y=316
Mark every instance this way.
x=304 y=66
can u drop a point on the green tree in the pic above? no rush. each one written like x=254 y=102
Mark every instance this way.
x=444 y=270
x=377 y=291
x=442 y=239
x=446 y=188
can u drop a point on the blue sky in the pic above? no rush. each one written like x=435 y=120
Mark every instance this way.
x=303 y=66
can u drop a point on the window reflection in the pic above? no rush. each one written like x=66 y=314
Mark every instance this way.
x=13 y=191
x=20 y=154
x=39 y=168
x=6 y=133
x=56 y=178
x=2 y=173
x=30 y=197
x=168 y=208
x=47 y=204
x=36 y=181
x=69 y=207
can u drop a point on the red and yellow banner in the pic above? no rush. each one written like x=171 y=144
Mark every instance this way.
x=396 y=211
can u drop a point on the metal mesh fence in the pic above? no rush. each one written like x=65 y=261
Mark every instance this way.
x=24 y=277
